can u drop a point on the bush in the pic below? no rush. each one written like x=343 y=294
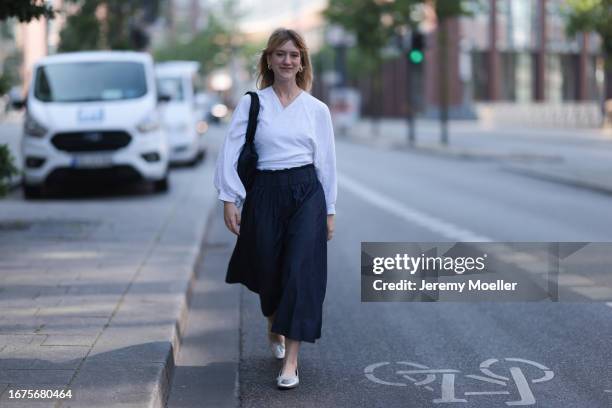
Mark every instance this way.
x=7 y=168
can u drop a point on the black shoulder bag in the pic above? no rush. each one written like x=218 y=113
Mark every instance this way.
x=247 y=161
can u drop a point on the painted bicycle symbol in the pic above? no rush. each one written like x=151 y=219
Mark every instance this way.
x=423 y=376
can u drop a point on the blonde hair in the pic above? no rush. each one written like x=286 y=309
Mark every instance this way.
x=265 y=76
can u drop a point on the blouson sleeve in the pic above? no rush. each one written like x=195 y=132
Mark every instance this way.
x=325 y=157
x=227 y=181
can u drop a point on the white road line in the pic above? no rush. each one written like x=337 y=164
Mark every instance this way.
x=399 y=209
x=609 y=304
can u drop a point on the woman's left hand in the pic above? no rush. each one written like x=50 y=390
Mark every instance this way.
x=330 y=226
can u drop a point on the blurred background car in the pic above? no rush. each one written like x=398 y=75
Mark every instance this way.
x=92 y=116
x=212 y=108
x=180 y=115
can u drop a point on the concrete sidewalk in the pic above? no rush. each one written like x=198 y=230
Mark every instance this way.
x=94 y=291
x=581 y=158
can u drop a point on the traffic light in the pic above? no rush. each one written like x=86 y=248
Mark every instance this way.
x=416 y=55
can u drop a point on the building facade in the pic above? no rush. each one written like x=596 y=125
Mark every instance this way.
x=509 y=51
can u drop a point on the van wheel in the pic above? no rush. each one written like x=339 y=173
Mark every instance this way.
x=161 y=185
x=33 y=191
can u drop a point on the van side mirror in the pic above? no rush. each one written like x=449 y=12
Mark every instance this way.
x=19 y=103
x=163 y=98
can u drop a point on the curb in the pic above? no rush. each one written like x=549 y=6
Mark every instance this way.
x=455 y=152
x=161 y=399
x=158 y=342
x=467 y=154
x=582 y=184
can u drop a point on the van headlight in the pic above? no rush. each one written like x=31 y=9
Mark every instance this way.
x=219 y=110
x=149 y=124
x=32 y=127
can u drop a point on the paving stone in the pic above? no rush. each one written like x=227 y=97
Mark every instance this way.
x=52 y=324
x=65 y=269
x=67 y=340
x=94 y=305
x=41 y=357
x=14 y=376
x=9 y=342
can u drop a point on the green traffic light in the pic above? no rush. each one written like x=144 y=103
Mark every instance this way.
x=416 y=56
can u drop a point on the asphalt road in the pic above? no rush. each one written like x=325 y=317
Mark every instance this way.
x=484 y=354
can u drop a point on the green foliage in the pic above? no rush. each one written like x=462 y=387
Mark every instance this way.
x=120 y=30
x=377 y=23
x=591 y=15
x=25 y=10
x=212 y=47
x=581 y=15
x=363 y=19
x=7 y=168
x=323 y=60
x=6 y=29
x=374 y=23
x=451 y=8
x=251 y=52
x=6 y=80
x=82 y=30
x=361 y=63
x=11 y=66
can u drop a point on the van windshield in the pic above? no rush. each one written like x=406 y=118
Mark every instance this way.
x=90 y=81
x=173 y=87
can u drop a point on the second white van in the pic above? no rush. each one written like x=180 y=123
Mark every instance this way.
x=181 y=115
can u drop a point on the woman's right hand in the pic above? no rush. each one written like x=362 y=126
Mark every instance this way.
x=231 y=215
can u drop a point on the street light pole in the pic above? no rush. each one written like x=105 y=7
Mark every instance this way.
x=341 y=64
x=415 y=57
x=411 y=103
x=443 y=73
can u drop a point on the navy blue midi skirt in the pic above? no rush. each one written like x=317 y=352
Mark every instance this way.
x=281 y=252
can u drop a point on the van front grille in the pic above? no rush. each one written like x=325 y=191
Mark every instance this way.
x=91 y=141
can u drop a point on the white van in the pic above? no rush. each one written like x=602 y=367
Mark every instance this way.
x=181 y=115
x=93 y=115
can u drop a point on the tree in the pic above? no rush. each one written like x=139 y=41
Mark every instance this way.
x=445 y=10
x=82 y=29
x=25 y=10
x=7 y=168
x=211 y=47
x=375 y=24
x=108 y=24
x=10 y=76
x=583 y=16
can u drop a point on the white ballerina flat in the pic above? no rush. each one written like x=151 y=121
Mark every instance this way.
x=285 y=382
x=278 y=349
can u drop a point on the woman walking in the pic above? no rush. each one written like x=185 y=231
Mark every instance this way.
x=287 y=215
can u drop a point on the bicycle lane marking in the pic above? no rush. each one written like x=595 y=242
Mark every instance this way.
x=450 y=392
x=399 y=209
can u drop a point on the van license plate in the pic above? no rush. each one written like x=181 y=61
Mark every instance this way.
x=92 y=160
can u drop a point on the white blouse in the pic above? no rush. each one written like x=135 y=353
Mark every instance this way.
x=286 y=137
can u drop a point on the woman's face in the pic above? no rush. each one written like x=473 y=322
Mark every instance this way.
x=285 y=61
